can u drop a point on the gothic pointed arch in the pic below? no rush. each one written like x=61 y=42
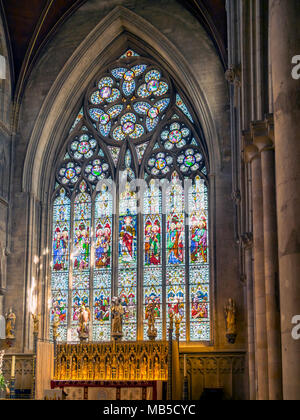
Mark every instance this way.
x=133 y=121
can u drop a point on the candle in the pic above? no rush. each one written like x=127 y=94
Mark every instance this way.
x=13 y=366
x=184 y=366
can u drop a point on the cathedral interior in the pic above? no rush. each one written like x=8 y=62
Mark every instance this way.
x=149 y=199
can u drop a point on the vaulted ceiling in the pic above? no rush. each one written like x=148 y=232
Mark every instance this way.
x=31 y=23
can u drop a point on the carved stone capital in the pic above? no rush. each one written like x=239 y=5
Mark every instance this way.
x=270 y=127
x=236 y=196
x=233 y=76
x=250 y=151
x=247 y=240
x=260 y=135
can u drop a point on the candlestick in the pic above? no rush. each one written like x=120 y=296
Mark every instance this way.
x=13 y=366
x=184 y=366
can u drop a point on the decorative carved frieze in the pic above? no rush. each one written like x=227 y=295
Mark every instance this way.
x=222 y=363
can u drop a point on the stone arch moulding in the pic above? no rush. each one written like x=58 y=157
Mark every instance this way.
x=113 y=33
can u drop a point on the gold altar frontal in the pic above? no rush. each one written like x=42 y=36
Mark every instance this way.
x=112 y=361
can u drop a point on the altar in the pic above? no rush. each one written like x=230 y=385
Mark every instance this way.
x=114 y=370
x=112 y=390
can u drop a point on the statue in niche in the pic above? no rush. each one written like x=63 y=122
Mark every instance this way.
x=132 y=367
x=150 y=316
x=3 y=257
x=3 y=168
x=83 y=323
x=36 y=322
x=144 y=368
x=84 y=368
x=117 y=312
x=156 y=368
x=10 y=318
x=102 y=369
x=74 y=368
x=55 y=325
x=230 y=321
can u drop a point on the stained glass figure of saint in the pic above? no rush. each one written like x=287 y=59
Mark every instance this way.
x=82 y=247
x=152 y=241
x=198 y=239
x=60 y=249
x=127 y=239
x=175 y=240
x=102 y=246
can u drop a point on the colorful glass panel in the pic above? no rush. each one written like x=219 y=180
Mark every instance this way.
x=152 y=286
x=199 y=257
x=175 y=253
x=102 y=269
x=128 y=258
x=60 y=258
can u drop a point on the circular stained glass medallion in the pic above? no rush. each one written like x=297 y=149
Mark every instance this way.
x=160 y=164
x=70 y=174
x=83 y=147
x=153 y=86
x=129 y=75
x=189 y=161
x=104 y=119
x=97 y=170
x=153 y=113
x=128 y=127
x=175 y=136
x=105 y=92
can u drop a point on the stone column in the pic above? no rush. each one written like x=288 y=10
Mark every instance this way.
x=247 y=241
x=252 y=155
x=285 y=44
x=261 y=132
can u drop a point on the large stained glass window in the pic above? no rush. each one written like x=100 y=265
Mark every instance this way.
x=145 y=244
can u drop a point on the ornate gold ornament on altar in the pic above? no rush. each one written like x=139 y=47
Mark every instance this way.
x=230 y=312
x=119 y=361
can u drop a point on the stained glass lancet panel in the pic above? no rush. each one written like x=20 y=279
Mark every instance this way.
x=60 y=262
x=175 y=253
x=127 y=278
x=199 y=263
x=102 y=266
x=80 y=256
x=152 y=287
